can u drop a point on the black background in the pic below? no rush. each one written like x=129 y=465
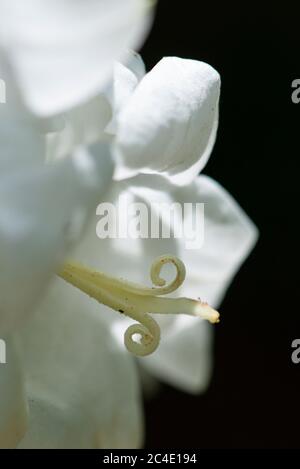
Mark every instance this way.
x=253 y=400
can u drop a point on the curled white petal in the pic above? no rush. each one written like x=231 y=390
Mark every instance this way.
x=169 y=125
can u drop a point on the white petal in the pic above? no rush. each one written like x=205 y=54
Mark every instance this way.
x=169 y=124
x=95 y=119
x=83 y=125
x=125 y=79
x=13 y=403
x=39 y=205
x=183 y=358
x=27 y=149
x=42 y=212
x=83 y=388
x=135 y=63
x=63 y=51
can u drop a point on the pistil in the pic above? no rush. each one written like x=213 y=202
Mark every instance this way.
x=137 y=301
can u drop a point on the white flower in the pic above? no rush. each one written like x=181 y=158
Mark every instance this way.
x=81 y=383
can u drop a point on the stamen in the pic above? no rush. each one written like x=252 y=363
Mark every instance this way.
x=137 y=301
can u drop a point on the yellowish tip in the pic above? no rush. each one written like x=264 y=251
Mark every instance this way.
x=205 y=311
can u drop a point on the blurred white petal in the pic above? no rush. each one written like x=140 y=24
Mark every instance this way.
x=42 y=211
x=95 y=119
x=39 y=204
x=83 y=125
x=83 y=388
x=169 y=124
x=13 y=402
x=63 y=50
x=27 y=148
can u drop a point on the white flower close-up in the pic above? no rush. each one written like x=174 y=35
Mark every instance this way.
x=83 y=123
